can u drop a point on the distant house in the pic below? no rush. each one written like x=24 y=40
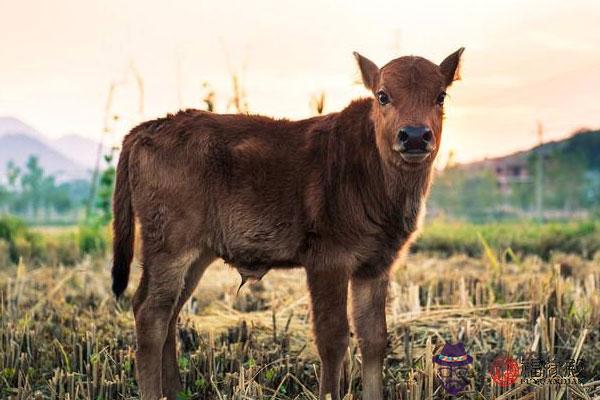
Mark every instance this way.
x=508 y=170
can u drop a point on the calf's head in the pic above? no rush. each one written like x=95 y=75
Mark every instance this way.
x=408 y=106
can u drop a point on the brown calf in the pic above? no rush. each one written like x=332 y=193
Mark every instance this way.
x=339 y=194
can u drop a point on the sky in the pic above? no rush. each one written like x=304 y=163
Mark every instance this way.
x=525 y=61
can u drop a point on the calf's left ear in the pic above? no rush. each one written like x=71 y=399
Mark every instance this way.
x=451 y=66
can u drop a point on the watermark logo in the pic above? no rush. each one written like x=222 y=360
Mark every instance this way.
x=452 y=367
x=535 y=369
x=504 y=370
x=550 y=369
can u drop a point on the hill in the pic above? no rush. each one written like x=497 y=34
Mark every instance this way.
x=78 y=148
x=68 y=157
x=14 y=126
x=582 y=145
x=18 y=148
x=556 y=180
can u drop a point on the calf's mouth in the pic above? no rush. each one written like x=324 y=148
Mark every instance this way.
x=415 y=156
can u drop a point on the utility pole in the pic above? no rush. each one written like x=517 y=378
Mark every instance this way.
x=539 y=176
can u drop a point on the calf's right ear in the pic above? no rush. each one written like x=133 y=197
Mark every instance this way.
x=450 y=67
x=369 y=72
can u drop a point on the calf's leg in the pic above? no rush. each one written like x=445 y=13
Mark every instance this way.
x=171 y=381
x=154 y=302
x=329 y=293
x=368 y=320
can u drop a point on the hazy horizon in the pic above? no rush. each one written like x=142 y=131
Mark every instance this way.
x=523 y=63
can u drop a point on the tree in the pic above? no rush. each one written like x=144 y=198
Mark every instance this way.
x=13 y=172
x=5 y=197
x=463 y=193
x=32 y=183
x=105 y=190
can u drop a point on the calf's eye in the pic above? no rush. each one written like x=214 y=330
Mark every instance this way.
x=383 y=98
x=440 y=99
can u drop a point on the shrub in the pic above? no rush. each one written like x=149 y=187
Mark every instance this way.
x=93 y=238
x=20 y=241
x=65 y=246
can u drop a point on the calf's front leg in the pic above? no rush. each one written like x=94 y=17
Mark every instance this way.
x=329 y=294
x=368 y=320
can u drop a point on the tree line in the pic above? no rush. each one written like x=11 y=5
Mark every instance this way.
x=36 y=196
x=566 y=173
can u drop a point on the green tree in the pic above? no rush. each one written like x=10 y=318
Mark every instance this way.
x=32 y=184
x=5 y=197
x=13 y=172
x=93 y=232
x=61 y=198
x=465 y=193
x=105 y=191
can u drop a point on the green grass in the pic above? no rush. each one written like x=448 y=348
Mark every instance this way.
x=55 y=246
x=521 y=238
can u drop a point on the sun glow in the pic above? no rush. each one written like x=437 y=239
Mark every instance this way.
x=522 y=60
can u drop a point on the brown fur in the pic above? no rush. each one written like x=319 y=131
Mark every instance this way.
x=328 y=193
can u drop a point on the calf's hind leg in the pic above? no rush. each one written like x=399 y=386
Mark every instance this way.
x=154 y=303
x=171 y=381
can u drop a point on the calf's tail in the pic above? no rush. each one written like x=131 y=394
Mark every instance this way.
x=123 y=224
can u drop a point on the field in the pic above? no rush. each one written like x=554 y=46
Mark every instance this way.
x=62 y=335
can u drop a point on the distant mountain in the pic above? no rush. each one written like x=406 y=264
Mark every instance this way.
x=18 y=141
x=14 y=126
x=78 y=148
x=19 y=148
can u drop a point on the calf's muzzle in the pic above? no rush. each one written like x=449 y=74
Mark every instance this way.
x=414 y=143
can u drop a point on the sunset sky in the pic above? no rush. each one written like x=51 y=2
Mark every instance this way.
x=524 y=61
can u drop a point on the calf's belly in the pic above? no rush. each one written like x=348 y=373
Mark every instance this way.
x=253 y=253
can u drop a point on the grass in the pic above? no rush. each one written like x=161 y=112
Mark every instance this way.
x=54 y=246
x=62 y=336
x=522 y=238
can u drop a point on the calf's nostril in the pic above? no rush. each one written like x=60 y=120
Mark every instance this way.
x=427 y=136
x=403 y=136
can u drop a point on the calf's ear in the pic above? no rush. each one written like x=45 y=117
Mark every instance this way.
x=451 y=66
x=369 y=72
